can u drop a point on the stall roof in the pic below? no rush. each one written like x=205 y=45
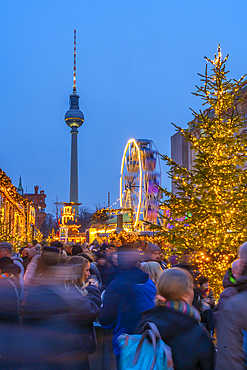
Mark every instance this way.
x=126 y=218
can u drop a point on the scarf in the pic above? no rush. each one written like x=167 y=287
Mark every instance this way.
x=185 y=308
x=6 y=275
x=204 y=293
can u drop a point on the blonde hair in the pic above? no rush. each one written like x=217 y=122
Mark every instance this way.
x=78 y=265
x=153 y=269
x=173 y=283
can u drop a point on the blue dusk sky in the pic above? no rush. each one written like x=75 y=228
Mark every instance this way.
x=137 y=64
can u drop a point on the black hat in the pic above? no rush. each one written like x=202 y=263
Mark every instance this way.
x=86 y=256
x=76 y=249
x=5 y=261
x=49 y=256
x=50 y=249
x=11 y=269
x=5 y=245
x=56 y=244
x=202 y=280
x=103 y=247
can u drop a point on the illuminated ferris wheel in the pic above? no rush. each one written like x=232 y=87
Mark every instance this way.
x=139 y=178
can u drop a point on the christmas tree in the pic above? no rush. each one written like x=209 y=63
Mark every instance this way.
x=207 y=212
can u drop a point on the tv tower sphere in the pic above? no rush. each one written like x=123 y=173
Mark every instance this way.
x=74 y=117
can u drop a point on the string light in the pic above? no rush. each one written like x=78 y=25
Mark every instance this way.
x=17 y=214
x=213 y=191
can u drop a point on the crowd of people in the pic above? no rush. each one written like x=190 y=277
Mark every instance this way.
x=52 y=296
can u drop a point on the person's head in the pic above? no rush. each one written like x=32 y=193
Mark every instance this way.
x=127 y=256
x=153 y=269
x=49 y=257
x=236 y=268
x=34 y=251
x=5 y=261
x=80 y=270
x=56 y=244
x=115 y=258
x=68 y=247
x=175 y=284
x=7 y=265
x=102 y=260
x=110 y=250
x=34 y=242
x=25 y=252
x=203 y=282
x=6 y=250
x=154 y=252
x=76 y=249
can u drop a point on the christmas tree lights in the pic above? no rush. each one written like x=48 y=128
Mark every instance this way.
x=207 y=213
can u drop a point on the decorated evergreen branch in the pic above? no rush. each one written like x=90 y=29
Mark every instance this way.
x=6 y=231
x=99 y=216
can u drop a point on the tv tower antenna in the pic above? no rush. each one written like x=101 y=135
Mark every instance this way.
x=74 y=118
x=74 y=76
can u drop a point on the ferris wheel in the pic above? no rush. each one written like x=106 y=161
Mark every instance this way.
x=139 y=177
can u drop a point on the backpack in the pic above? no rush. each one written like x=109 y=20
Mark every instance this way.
x=139 y=353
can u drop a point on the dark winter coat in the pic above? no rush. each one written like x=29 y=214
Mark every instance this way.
x=106 y=272
x=198 y=300
x=230 y=289
x=9 y=321
x=191 y=345
x=131 y=293
x=115 y=271
x=57 y=328
x=9 y=302
x=232 y=329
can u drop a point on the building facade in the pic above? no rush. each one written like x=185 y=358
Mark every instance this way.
x=17 y=215
x=38 y=200
x=181 y=152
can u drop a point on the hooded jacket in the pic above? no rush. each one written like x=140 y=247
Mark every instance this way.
x=230 y=289
x=131 y=293
x=232 y=329
x=191 y=345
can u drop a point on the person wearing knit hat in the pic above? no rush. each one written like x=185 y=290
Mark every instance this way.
x=154 y=254
x=6 y=249
x=34 y=251
x=202 y=280
x=206 y=291
x=204 y=302
x=41 y=263
x=76 y=249
x=56 y=244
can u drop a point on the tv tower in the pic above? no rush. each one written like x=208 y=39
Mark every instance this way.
x=74 y=118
